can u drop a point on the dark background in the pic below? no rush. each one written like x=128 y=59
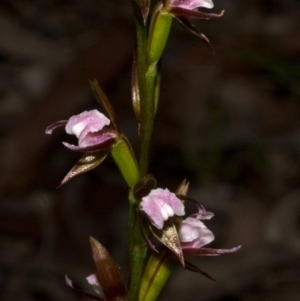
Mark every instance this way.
x=228 y=123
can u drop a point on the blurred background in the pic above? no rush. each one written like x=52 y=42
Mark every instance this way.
x=229 y=123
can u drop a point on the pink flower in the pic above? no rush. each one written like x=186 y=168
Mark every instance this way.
x=183 y=10
x=90 y=127
x=191 y=4
x=193 y=235
x=161 y=204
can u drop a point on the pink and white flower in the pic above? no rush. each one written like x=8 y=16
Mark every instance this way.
x=161 y=204
x=91 y=128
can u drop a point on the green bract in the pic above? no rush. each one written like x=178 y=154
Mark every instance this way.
x=160 y=26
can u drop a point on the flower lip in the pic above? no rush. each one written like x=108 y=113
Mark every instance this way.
x=194 y=234
x=159 y=205
x=86 y=122
x=94 y=141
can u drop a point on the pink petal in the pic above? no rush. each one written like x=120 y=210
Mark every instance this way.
x=88 y=121
x=93 y=281
x=159 y=204
x=101 y=146
x=194 y=234
x=69 y=281
x=97 y=137
x=192 y=4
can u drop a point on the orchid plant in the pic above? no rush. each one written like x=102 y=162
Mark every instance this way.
x=160 y=233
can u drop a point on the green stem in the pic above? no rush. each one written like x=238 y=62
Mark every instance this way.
x=147 y=76
x=146 y=81
x=137 y=251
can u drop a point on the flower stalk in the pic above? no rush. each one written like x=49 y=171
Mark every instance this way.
x=146 y=83
x=153 y=212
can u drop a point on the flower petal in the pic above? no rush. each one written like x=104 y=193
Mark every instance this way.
x=88 y=121
x=97 y=137
x=55 y=125
x=208 y=251
x=159 y=205
x=92 y=280
x=194 y=14
x=192 y=4
x=194 y=234
x=101 y=146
